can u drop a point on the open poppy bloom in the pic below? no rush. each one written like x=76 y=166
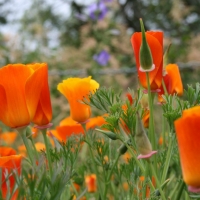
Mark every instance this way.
x=172 y=80
x=188 y=136
x=9 y=161
x=75 y=90
x=155 y=42
x=24 y=95
x=67 y=128
x=95 y=122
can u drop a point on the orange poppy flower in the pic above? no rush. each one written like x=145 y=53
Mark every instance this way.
x=38 y=145
x=8 y=137
x=67 y=128
x=94 y=122
x=172 y=81
x=9 y=161
x=75 y=90
x=188 y=136
x=155 y=42
x=90 y=182
x=24 y=95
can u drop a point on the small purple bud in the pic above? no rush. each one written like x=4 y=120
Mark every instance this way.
x=102 y=58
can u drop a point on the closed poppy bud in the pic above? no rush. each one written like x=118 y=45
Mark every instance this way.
x=111 y=135
x=146 y=60
x=188 y=135
x=90 y=182
x=155 y=43
x=142 y=141
x=24 y=95
x=75 y=90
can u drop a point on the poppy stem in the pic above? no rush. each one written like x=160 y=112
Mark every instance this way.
x=47 y=151
x=151 y=126
x=157 y=181
x=109 y=176
x=22 y=132
x=168 y=157
x=164 y=87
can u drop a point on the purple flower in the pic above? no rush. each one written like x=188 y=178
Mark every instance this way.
x=102 y=58
x=97 y=11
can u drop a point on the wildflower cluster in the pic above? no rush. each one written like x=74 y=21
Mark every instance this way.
x=118 y=154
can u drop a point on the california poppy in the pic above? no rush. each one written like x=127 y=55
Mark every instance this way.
x=9 y=161
x=90 y=182
x=172 y=80
x=95 y=122
x=75 y=90
x=188 y=136
x=67 y=128
x=8 y=137
x=24 y=95
x=155 y=42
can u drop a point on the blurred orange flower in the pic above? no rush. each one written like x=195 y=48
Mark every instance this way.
x=66 y=128
x=90 y=182
x=9 y=161
x=8 y=137
x=38 y=145
x=95 y=122
x=188 y=135
x=75 y=90
x=24 y=95
x=172 y=80
x=155 y=42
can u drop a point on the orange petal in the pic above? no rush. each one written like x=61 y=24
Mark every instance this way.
x=68 y=121
x=94 y=122
x=176 y=85
x=64 y=132
x=188 y=138
x=90 y=182
x=39 y=104
x=8 y=137
x=12 y=80
x=7 y=151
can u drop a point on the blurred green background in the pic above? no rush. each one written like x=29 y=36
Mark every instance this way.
x=69 y=35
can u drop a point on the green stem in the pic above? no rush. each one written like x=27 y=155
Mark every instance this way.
x=164 y=87
x=22 y=132
x=139 y=164
x=36 y=152
x=109 y=176
x=180 y=190
x=168 y=158
x=111 y=171
x=47 y=151
x=151 y=125
x=96 y=170
x=157 y=181
x=163 y=130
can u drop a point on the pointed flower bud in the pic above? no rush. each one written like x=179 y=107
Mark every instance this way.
x=143 y=143
x=122 y=149
x=146 y=60
x=109 y=134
